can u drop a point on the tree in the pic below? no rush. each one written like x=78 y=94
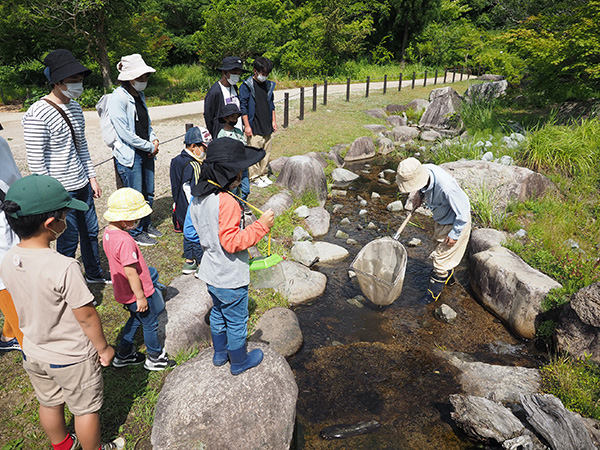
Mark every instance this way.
x=561 y=45
x=76 y=19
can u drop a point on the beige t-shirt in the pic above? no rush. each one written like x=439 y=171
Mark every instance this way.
x=46 y=286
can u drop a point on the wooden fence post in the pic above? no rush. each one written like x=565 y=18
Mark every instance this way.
x=435 y=80
x=348 y=90
x=425 y=79
x=301 y=103
x=286 y=109
x=462 y=70
x=445 y=75
x=325 y=93
x=400 y=83
x=413 y=80
x=384 y=84
x=188 y=126
x=453 y=74
x=368 y=82
x=315 y=97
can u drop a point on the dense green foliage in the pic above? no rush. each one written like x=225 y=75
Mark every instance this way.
x=552 y=44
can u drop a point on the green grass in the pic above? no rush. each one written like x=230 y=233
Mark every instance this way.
x=576 y=382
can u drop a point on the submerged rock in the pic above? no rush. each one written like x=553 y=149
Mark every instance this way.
x=342 y=431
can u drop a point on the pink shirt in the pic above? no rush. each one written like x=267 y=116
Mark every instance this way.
x=121 y=250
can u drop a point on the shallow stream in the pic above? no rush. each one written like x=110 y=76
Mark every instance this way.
x=379 y=363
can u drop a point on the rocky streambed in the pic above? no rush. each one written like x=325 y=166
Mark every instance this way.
x=361 y=362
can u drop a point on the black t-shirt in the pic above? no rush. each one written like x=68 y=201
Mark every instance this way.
x=142 y=127
x=263 y=120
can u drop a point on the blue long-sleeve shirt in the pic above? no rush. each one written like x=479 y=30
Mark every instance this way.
x=449 y=203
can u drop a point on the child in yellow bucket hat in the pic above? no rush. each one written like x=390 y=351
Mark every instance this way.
x=135 y=284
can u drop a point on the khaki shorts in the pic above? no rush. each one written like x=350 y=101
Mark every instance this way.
x=78 y=385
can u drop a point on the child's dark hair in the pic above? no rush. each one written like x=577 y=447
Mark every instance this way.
x=27 y=226
x=263 y=65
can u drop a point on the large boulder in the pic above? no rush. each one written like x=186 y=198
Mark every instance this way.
x=508 y=183
x=318 y=221
x=443 y=111
x=502 y=384
x=305 y=253
x=279 y=328
x=486 y=91
x=561 y=428
x=279 y=203
x=485 y=238
x=510 y=288
x=578 y=330
x=301 y=284
x=377 y=113
x=485 y=419
x=302 y=173
x=361 y=148
x=203 y=406
x=277 y=164
x=184 y=323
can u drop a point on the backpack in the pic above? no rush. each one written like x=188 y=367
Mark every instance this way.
x=109 y=133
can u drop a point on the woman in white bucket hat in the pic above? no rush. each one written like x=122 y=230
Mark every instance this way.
x=451 y=213
x=136 y=146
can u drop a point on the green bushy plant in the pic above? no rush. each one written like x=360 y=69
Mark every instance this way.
x=576 y=382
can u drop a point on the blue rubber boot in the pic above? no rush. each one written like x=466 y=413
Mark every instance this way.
x=241 y=360
x=220 y=347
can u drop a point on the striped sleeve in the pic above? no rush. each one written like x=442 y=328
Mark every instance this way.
x=50 y=147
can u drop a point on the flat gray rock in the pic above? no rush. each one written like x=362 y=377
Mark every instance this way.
x=300 y=234
x=329 y=253
x=280 y=329
x=375 y=128
x=343 y=175
x=397 y=121
x=305 y=253
x=183 y=324
x=503 y=384
x=302 y=212
x=430 y=136
x=199 y=402
x=484 y=419
x=301 y=284
x=318 y=221
x=377 y=113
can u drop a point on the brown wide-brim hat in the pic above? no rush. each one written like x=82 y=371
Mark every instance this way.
x=411 y=175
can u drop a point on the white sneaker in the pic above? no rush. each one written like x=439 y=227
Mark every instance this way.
x=259 y=183
x=266 y=180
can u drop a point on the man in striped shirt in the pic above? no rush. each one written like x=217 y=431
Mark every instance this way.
x=54 y=129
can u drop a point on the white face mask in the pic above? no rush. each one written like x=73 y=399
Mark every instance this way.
x=73 y=90
x=261 y=78
x=139 y=85
x=233 y=79
x=58 y=234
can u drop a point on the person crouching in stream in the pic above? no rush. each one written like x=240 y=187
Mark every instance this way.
x=451 y=209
